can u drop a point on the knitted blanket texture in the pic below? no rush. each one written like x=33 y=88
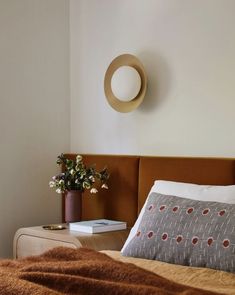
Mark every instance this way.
x=82 y=271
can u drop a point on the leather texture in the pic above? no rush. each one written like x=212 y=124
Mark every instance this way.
x=131 y=178
x=120 y=201
x=214 y=171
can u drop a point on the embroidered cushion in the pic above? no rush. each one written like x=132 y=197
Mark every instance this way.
x=187 y=232
x=215 y=193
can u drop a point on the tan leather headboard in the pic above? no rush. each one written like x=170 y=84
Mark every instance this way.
x=194 y=170
x=120 y=201
x=131 y=178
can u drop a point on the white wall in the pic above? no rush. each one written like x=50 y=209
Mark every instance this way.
x=188 y=50
x=34 y=111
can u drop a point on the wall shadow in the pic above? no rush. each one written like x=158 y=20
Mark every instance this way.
x=159 y=80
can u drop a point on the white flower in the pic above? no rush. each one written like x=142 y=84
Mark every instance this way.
x=52 y=184
x=92 y=178
x=54 y=178
x=61 y=181
x=93 y=191
x=78 y=158
x=58 y=190
x=86 y=185
x=72 y=171
x=104 y=186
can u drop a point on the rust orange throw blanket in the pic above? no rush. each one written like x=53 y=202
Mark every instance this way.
x=81 y=271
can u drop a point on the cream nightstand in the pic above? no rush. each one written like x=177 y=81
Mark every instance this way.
x=35 y=240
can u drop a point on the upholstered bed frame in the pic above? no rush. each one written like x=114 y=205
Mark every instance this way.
x=131 y=178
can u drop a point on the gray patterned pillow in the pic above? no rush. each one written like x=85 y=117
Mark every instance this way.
x=186 y=232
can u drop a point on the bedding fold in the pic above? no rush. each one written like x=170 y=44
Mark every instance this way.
x=213 y=280
x=83 y=271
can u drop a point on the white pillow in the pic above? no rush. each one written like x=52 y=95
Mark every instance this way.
x=214 y=193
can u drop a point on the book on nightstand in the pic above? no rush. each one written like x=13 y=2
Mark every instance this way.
x=97 y=226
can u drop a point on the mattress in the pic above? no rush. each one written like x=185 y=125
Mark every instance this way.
x=204 y=278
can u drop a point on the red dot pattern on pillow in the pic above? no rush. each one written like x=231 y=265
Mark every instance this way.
x=162 y=207
x=138 y=233
x=150 y=234
x=185 y=231
x=205 y=211
x=195 y=240
x=175 y=209
x=150 y=207
x=190 y=210
x=221 y=212
x=226 y=243
x=164 y=236
x=179 y=238
x=210 y=241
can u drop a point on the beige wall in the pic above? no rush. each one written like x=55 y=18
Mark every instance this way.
x=188 y=50
x=34 y=111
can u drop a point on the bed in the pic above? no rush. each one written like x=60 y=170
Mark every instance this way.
x=131 y=180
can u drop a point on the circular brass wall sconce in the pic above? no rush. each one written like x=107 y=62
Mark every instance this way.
x=125 y=83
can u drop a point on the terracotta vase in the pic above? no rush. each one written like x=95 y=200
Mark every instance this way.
x=73 y=206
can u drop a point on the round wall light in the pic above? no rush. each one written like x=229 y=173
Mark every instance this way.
x=125 y=83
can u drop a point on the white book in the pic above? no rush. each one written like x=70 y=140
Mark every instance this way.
x=97 y=226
